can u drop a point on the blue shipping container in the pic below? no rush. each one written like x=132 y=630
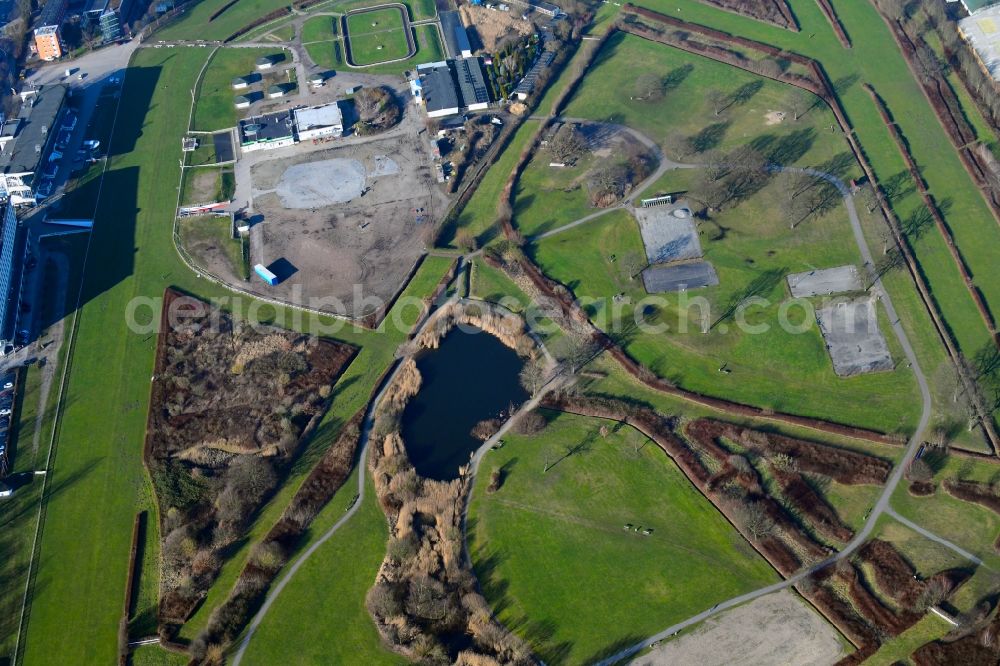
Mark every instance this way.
x=266 y=275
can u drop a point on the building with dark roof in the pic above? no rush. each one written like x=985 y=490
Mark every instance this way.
x=448 y=87
x=472 y=84
x=268 y=131
x=437 y=90
x=527 y=85
x=36 y=129
x=12 y=246
x=456 y=38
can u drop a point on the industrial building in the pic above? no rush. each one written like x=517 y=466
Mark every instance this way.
x=447 y=88
x=267 y=132
x=456 y=38
x=314 y=122
x=48 y=41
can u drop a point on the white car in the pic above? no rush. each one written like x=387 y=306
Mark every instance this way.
x=4 y=412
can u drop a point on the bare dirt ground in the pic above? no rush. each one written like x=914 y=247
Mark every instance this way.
x=777 y=629
x=200 y=186
x=350 y=219
x=492 y=25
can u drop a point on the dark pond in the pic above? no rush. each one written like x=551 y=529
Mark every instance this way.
x=469 y=378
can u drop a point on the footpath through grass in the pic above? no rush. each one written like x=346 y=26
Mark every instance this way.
x=326 y=598
x=555 y=562
x=97 y=479
x=875 y=59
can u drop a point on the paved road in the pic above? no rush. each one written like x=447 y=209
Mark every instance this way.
x=933 y=537
x=882 y=505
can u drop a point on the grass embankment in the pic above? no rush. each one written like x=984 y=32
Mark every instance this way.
x=553 y=557
x=875 y=59
x=97 y=466
x=480 y=213
x=319 y=29
x=214 y=108
x=329 y=591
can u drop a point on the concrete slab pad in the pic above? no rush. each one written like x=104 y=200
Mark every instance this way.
x=822 y=282
x=321 y=183
x=853 y=338
x=668 y=233
x=679 y=277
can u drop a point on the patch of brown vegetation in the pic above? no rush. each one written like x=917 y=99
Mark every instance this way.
x=971 y=491
x=229 y=405
x=425 y=591
x=978 y=645
x=769 y=11
x=897 y=579
x=841 y=465
x=493 y=27
x=921 y=488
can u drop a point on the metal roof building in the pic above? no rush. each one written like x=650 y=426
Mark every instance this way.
x=456 y=39
x=437 y=90
x=313 y=122
x=472 y=83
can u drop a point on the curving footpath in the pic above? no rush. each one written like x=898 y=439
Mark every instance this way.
x=882 y=505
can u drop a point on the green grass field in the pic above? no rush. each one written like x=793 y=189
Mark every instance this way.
x=329 y=591
x=194 y=22
x=97 y=468
x=376 y=37
x=685 y=108
x=319 y=29
x=558 y=568
x=548 y=197
x=783 y=369
x=971 y=526
x=876 y=60
x=214 y=108
x=328 y=55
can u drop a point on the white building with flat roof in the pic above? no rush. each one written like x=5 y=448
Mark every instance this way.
x=314 y=122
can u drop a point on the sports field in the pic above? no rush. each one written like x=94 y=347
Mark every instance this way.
x=556 y=564
x=377 y=36
x=782 y=368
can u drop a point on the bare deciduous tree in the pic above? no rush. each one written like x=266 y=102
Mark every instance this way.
x=568 y=144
